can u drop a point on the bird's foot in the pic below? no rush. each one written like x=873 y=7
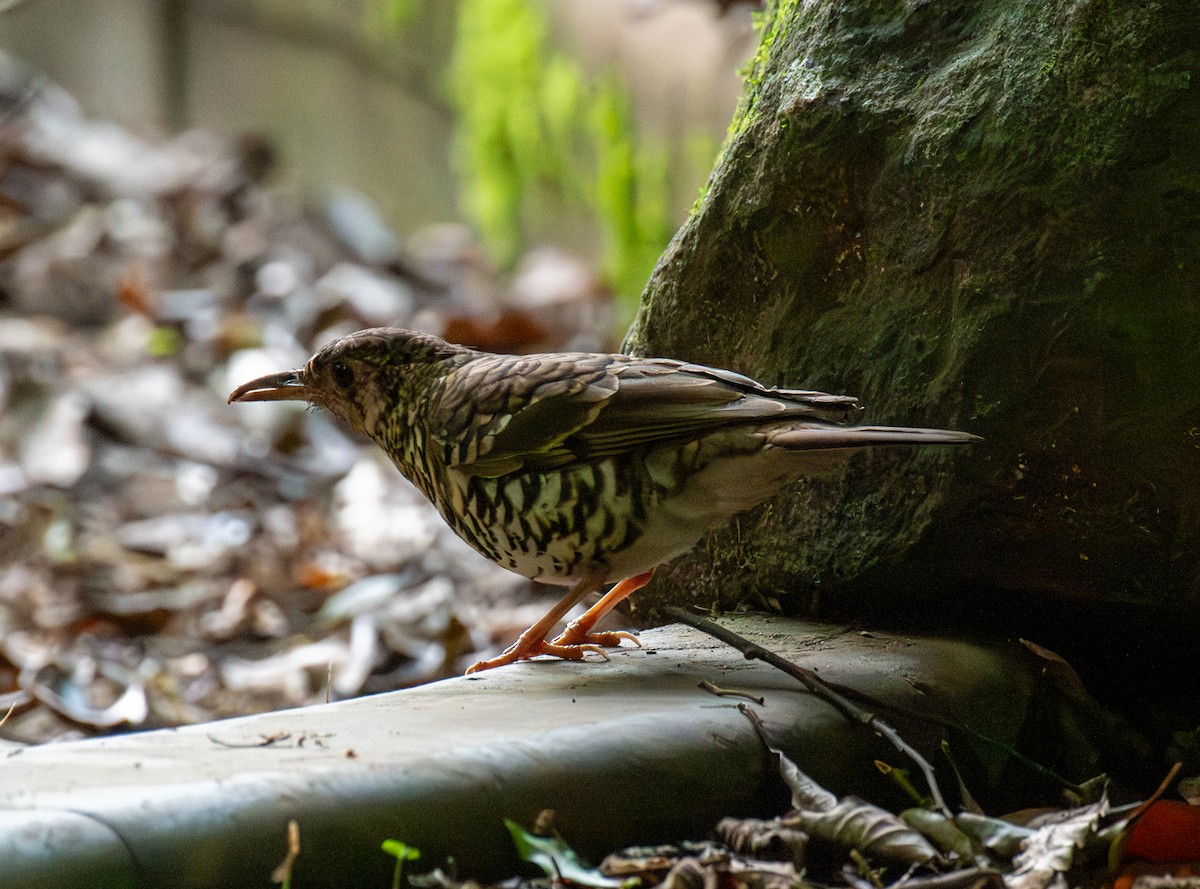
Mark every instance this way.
x=523 y=652
x=579 y=631
x=578 y=635
x=577 y=639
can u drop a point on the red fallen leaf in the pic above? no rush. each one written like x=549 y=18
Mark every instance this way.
x=1168 y=830
x=133 y=293
x=315 y=576
x=1135 y=870
x=511 y=331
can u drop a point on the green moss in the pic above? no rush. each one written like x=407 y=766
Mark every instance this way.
x=772 y=25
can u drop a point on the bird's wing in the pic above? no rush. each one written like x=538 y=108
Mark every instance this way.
x=542 y=413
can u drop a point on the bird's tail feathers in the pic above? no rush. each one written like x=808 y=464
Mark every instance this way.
x=819 y=438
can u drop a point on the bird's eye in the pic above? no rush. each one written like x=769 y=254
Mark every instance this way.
x=342 y=374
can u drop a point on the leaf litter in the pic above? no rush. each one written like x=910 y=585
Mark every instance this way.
x=165 y=559
x=826 y=840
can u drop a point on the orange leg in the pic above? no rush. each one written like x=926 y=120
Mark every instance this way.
x=579 y=631
x=533 y=642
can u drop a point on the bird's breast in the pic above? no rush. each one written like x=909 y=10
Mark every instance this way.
x=554 y=525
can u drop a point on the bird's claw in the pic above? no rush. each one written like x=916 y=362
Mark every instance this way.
x=574 y=635
x=518 y=652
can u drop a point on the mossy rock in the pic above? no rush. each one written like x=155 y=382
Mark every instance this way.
x=981 y=215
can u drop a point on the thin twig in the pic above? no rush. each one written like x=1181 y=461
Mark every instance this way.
x=263 y=740
x=818 y=687
x=715 y=689
x=947 y=724
x=1162 y=788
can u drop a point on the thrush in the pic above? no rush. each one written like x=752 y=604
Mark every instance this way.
x=577 y=469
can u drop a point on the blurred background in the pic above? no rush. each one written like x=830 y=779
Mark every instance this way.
x=589 y=125
x=197 y=192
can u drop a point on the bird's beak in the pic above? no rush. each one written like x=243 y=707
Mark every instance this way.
x=285 y=386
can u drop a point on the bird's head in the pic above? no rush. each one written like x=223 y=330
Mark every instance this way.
x=359 y=376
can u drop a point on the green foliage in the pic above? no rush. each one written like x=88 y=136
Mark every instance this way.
x=533 y=133
x=164 y=342
x=391 y=16
x=496 y=88
x=631 y=193
x=402 y=852
x=558 y=860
